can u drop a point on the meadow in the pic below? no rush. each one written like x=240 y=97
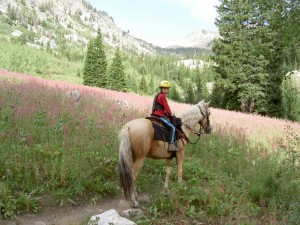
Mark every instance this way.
x=15 y=56
x=245 y=172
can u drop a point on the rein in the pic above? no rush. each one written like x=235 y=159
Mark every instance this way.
x=198 y=133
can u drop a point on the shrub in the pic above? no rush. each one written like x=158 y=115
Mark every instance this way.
x=290 y=98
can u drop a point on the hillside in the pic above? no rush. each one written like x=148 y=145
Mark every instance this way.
x=60 y=24
x=59 y=32
x=49 y=39
x=63 y=25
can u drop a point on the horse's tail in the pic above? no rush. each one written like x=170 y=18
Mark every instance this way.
x=125 y=163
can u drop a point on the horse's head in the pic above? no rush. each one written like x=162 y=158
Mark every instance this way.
x=205 y=112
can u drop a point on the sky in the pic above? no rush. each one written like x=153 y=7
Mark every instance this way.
x=157 y=21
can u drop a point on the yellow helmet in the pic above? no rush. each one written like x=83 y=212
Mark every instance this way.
x=165 y=84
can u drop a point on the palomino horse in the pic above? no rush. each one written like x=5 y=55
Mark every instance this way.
x=137 y=142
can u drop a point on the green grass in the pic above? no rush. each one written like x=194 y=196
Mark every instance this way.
x=50 y=145
x=5 y=25
x=24 y=59
x=224 y=183
x=5 y=29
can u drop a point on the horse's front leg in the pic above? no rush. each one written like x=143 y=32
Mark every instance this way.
x=179 y=161
x=168 y=175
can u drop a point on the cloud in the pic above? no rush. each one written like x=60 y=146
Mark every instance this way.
x=201 y=10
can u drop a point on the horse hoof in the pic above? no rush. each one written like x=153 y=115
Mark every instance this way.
x=167 y=193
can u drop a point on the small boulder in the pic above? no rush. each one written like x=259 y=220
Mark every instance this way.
x=110 y=217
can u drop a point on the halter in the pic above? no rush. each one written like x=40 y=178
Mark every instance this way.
x=198 y=133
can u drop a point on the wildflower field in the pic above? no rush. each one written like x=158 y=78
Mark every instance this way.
x=245 y=172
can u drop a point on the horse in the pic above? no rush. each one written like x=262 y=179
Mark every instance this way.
x=137 y=142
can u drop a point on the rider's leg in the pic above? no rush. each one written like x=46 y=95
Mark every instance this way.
x=172 y=146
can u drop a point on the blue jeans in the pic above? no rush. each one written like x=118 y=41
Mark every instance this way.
x=167 y=122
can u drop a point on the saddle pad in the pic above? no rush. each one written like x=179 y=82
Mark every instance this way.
x=162 y=133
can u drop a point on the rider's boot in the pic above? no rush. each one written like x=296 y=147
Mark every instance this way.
x=172 y=147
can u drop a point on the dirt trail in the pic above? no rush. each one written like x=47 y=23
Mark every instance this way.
x=68 y=215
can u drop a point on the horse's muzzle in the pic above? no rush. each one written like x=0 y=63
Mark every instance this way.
x=208 y=130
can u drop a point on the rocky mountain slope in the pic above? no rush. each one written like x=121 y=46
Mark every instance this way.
x=63 y=24
x=197 y=39
x=76 y=21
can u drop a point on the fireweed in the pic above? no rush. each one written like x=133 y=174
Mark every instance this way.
x=246 y=171
x=51 y=144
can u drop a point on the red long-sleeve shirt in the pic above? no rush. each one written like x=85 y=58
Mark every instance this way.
x=162 y=100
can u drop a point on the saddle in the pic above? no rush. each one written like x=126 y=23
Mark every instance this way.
x=162 y=132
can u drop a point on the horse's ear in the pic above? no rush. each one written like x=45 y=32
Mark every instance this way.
x=205 y=103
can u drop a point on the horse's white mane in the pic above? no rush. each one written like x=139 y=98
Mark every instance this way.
x=191 y=116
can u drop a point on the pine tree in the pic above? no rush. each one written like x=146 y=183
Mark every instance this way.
x=190 y=98
x=132 y=83
x=174 y=95
x=284 y=20
x=290 y=98
x=199 y=94
x=151 y=86
x=143 y=85
x=287 y=22
x=101 y=63
x=95 y=65
x=243 y=54
x=89 y=69
x=117 y=74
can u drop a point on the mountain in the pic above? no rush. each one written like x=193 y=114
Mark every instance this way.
x=67 y=26
x=55 y=22
x=198 y=39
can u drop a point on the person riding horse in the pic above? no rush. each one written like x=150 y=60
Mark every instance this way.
x=162 y=110
x=137 y=142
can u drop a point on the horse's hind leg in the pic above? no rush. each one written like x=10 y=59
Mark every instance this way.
x=134 y=202
x=137 y=165
x=168 y=175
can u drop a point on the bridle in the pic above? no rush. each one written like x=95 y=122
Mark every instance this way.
x=204 y=117
x=198 y=133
